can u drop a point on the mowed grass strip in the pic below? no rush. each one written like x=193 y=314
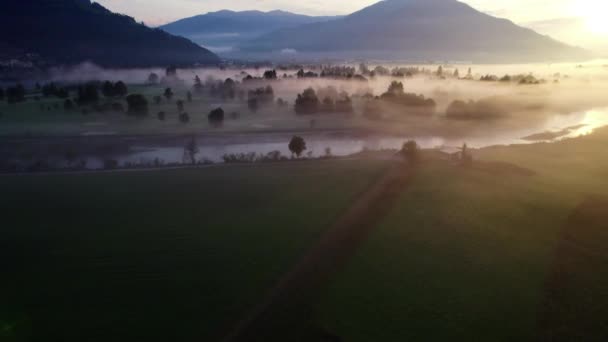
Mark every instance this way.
x=175 y=255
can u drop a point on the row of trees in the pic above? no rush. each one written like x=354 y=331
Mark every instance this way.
x=309 y=102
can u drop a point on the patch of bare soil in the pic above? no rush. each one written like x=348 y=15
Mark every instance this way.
x=290 y=301
x=575 y=306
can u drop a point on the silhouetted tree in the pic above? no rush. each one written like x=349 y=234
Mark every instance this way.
x=270 y=74
x=465 y=156
x=190 y=151
x=153 y=78
x=107 y=89
x=252 y=104
x=184 y=117
x=307 y=102
x=410 y=151
x=137 y=105
x=457 y=73
x=171 y=72
x=216 y=117
x=88 y=94
x=189 y=96
x=297 y=145
x=440 y=71
x=168 y=94
x=198 y=85
x=396 y=88
x=120 y=89
x=180 y=106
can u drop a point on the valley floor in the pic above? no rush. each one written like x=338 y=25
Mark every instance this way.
x=512 y=248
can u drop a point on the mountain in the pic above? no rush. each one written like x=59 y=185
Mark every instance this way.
x=225 y=29
x=74 y=31
x=416 y=30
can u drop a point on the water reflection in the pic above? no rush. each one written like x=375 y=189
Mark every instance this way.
x=575 y=124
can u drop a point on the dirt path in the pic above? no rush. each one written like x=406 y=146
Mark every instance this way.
x=575 y=306
x=297 y=288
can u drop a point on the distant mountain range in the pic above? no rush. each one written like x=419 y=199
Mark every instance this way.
x=415 y=30
x=74 y=31
x=222 y=31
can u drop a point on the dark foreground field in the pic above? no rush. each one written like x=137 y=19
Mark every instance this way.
x=513 y=248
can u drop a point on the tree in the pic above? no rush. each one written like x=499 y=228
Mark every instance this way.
x=216 y=117
x=307 y=102
x=120 y=89
x=157 y=100
x=161 y=116
x=456 y=73
x=396 y=88
x=252 y=104
x=88 y=94
x=198 y=84
x=168 y=94
x=440 y=71
x=410 y=151
x=15 y=94
x=297 y=145
x=153 y=78
x=180 y=106
x=189 y=96
x=190 y=151
x=270 y=74
x=137 y=105
x=171 y=72
x=107 y=89
x=184 y=118
x=465 y=156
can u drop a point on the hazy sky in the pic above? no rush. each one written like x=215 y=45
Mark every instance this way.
x=578 y=22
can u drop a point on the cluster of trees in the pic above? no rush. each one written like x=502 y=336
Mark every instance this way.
x=137 y=105
x=307 y=74
x=51 y=89
x=332 y=101
x=226 y=90
x=259 y=97
x=216 y=117
x=14 y=94
x=270 y=74
x=88 y=94
x=396 y=95
x=307 y=102
x=110 y=89
x=483 y=109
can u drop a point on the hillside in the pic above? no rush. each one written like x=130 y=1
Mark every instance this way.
x=74 y=31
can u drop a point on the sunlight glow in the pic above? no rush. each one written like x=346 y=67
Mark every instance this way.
x=595 y=14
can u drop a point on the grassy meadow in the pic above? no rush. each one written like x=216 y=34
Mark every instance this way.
x=158 y=256
x=470 y=254
x=463 y=254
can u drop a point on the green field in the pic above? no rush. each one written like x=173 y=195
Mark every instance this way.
x=158 y=256
x=469 y=254
x=463 y=254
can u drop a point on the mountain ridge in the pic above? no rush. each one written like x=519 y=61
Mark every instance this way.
x=416 y=29
x=75 y=31
x=225 y=29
